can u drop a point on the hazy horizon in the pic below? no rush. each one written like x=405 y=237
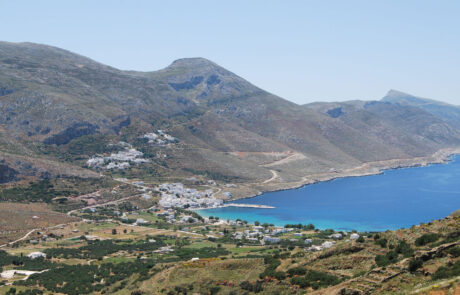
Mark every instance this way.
x=361 y=52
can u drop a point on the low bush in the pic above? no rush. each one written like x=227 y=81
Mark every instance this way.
x=382 y=242
x=455 y=252
x=297 y=271
x=316 y=280
x=389 y=258
x=445 y=272
x=426 y=239
x=415 y=264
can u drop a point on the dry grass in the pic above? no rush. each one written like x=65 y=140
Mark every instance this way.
x=17 y=218
x=205 y=270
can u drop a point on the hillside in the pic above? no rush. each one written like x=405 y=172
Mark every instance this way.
x=107 y=254
x=100 y=167
x=448 y=112
x=59 y=109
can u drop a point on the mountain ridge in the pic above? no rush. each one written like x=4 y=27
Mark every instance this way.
x=51 y=99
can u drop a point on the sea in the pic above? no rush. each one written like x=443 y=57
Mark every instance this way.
x=398 y=198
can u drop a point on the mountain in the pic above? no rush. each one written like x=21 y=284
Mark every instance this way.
x=448 y=112
x=59 y=109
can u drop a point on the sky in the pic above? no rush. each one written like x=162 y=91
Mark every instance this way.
x=303 y=51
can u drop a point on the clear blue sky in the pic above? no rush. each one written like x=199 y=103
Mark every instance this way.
x=300 y=50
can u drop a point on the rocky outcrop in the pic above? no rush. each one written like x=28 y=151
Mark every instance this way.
x=436 y=252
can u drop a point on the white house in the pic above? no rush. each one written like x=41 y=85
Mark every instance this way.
x=272 y=240
x=35 y=255
x=327 y=245
x=354 y=236
x=336 y=236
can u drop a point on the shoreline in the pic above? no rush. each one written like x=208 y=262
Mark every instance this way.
x=239 y=205
x=442 y=156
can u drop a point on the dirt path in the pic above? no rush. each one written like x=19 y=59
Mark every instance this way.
x=18 y=240
x=33 y=230
x=274 y=176
x=102 y=204
x=294 y=157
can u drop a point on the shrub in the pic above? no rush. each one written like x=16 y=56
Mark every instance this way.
x=426 y=239
x=245 y=285
x=404 y=249
x=280 y=275
x=302 y=282
x=415 y=264
x=320 y=279
x=389 y=258
x=444 y=272
x=297 y=271
x=382 y=242
x=316 y=280
x=256 y=287
x=381 y=260
x=213 y=290
x=455 y=252
x=272 y=264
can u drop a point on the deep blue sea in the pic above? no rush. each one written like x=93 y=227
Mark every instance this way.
x=395 y=199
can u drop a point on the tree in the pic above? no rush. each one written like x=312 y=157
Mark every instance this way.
x=280 y=275
x=256 y=223
x=125 y=231
x=114 y=231
x=415 y=264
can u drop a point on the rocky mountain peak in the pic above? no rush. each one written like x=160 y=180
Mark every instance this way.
x=392 y=93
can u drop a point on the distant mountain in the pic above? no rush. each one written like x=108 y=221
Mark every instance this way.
x=61 y=108
x=448 y=112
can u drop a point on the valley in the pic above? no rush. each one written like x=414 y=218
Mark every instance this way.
x=102 y=172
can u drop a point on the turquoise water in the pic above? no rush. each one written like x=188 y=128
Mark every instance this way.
x=395 y=199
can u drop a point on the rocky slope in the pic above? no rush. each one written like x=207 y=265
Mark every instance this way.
x=55 y=104
x=448 y=112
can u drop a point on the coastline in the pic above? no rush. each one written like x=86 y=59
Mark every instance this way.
x=442 y=156
x=239 y=205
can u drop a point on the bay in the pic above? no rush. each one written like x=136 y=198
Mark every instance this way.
x=394 y=199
